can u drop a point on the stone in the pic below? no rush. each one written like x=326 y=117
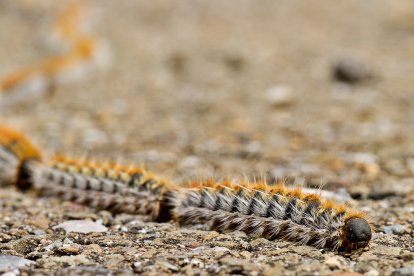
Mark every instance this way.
x=8 y=262
x=280 y=95
x=351 y=71
x=404 y=271
x=81 y=226
x=395 y=229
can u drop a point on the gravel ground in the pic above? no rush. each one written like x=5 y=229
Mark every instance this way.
x=312 y=92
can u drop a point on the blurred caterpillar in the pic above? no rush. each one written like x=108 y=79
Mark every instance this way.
x=17 y=154
x=106 y=186
x=260 y=210
x=82 y=54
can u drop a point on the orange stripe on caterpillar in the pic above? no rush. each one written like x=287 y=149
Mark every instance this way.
x=273 y=212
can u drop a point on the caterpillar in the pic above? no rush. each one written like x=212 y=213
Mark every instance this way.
x=102 y=185
x=83 y=54
x=258 y=209
x=16 y=155
x=272 y=212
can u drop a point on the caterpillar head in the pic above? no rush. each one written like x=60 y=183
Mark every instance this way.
x=356 y=233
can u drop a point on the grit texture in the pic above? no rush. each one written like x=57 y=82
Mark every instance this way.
x=310 y=92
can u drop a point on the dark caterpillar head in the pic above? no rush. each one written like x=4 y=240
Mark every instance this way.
x=357 y=233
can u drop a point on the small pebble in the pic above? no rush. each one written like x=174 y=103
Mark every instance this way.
x=335 y=262
x=220 y=249
x=280 y=95
x=124 y=229
x=396 y=229
x=12 y=262
x=54 y=245
x=81 y=226
x=14 y=272
x=45 y=241
x=351 y=71
x=67 y=241
x=38 y=232
x=143 y=231
x=404 y=271
x=372 y=272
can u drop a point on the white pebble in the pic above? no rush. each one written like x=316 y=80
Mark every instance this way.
x=81 y=226
x=280 y=95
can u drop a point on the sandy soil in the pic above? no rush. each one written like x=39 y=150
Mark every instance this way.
x=224 y=89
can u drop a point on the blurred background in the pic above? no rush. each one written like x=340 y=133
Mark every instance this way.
x=312 y=92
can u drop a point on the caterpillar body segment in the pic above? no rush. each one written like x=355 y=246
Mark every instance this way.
x=102 y=185
x=16 y=155
x=272 y=212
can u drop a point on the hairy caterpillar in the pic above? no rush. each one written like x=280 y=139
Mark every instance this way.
x=83 y=54
x=103 y=185
x=272 y=212
x=260 y=210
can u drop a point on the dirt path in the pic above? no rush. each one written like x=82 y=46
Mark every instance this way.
x=224 y=89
